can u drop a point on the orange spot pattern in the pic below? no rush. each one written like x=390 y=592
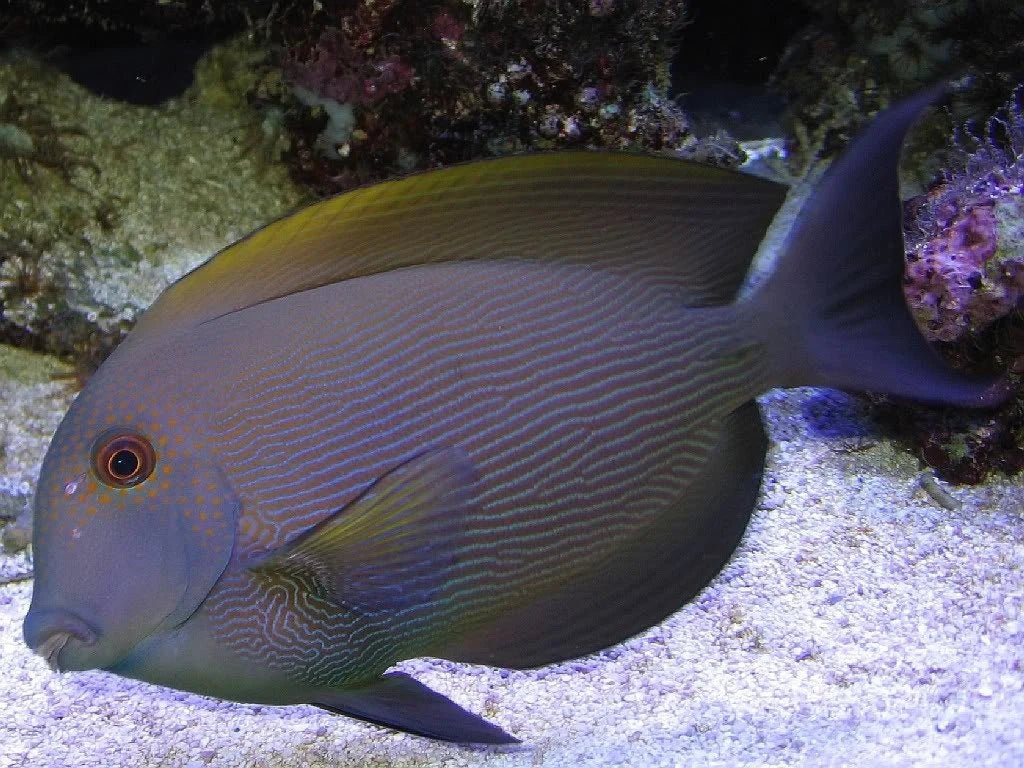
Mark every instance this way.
x=93 y=502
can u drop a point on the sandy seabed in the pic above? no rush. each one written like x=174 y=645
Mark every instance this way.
x=859 y=624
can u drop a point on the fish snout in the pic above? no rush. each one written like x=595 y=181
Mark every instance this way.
x=52 y=632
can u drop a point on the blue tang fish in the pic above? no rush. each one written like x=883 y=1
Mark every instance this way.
x=500 y=413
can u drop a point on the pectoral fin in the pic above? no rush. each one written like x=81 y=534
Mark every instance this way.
x=392 y=547
x=400 y=702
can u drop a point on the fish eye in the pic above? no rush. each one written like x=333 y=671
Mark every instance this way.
x=122 y=460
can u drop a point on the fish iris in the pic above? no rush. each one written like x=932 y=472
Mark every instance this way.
x=123 y=460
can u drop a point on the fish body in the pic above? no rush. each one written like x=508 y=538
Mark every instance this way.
x=501 y=413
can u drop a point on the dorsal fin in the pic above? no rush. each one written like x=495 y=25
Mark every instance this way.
x=691 y=227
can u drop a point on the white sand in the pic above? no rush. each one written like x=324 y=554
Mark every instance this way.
x=859 y=624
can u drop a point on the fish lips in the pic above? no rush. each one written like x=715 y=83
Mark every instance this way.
x=62 y=639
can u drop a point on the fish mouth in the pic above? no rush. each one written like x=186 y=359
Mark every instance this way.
x=53 y=633
x=51 y=648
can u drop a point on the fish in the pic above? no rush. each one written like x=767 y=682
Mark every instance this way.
x=500 y=413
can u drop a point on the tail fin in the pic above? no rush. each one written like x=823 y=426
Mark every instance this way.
x=834 y=306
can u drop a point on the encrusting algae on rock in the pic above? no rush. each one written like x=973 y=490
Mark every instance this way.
x=964 y=283
x=114 y=202
x=966 y=256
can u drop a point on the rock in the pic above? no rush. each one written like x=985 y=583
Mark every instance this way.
x=17 y=536
x=104 y=206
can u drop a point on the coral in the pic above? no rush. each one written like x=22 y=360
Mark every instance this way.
x=962 y=447
x=10 y=508
x=379 y=87
x=428 y=85
x=956 y=283
x=964 y=284
x=338 y=70
x=122 y=19
x=17 y=536
x=965 y=260
x=47 y=303
x=867 y=52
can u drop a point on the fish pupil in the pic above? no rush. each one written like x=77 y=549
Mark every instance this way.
x=124 y=464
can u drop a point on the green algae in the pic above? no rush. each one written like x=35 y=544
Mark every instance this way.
x=128 y=199
x=18 y=366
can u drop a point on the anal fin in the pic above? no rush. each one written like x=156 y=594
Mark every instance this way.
x=398 y=701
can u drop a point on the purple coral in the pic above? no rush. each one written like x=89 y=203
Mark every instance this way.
x=339 y=70
x=965 y=260
x=955 y=284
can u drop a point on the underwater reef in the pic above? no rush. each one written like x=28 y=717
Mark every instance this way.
x=853 y=57
x=891 y=621
x=353 y=93
x=964 y=282
x=346 y=92
x=105 y=204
